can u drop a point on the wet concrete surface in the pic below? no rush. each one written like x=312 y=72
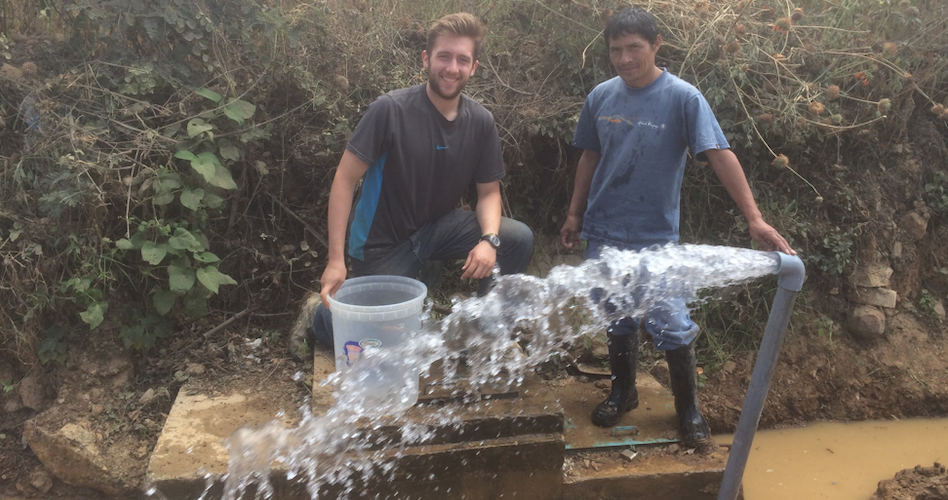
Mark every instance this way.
x=513 y=447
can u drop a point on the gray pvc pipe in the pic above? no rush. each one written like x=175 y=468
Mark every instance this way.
x=791 y=273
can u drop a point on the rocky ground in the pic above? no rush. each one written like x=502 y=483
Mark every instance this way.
x=93 y=434
x=920 y=483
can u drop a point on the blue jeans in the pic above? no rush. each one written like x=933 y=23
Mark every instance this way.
x=668 y=322
x=449 y=237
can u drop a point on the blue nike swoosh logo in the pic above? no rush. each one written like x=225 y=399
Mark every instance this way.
x=439 y=148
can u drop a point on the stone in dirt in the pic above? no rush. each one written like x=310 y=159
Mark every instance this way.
x=882 y=297
x=70 y=454
x=915 y=225
x=147 y=396
x=31 y=392
x=939 y=310
x=195 y=369
x=42 y=480
x=867 y=323
x=872 y=276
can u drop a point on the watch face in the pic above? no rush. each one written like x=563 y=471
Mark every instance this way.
x=493 y=239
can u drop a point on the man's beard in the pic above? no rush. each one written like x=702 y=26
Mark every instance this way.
x=436 y=88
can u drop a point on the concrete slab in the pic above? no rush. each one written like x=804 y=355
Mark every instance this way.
x=653 y=422
x=659 y=474
x=191 y=442
x=512 y=447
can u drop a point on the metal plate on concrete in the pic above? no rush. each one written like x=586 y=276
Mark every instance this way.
x=653 y=422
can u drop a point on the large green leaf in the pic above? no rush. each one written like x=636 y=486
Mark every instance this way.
x=94 y=314
x=138 y=239
x=180 y=278
x=152 y=253
x=211 y=278
x=184 y=240
x=191 y=198
x=198 y=126
x=124 y=244
x=228 y=150
x=164 y=301
x=211 y=200
x=169 y=181
x=208 y=93
x=206 y=164
x=222 y=178
x=185 y=155
x=206 y=257
x=163 y=198
x=239 y=110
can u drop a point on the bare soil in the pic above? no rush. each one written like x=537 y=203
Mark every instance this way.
x=919 y=483
x=123 y=400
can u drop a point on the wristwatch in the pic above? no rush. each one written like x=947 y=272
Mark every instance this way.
x=491 y=238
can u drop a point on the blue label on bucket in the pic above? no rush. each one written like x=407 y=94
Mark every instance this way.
x=353 y=350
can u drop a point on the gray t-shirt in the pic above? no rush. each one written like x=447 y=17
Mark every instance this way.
x=420 y=164
x=643 y=135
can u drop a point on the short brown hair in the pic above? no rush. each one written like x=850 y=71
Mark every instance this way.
x=460 y=24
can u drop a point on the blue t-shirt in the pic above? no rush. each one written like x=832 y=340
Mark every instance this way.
x=643 y=136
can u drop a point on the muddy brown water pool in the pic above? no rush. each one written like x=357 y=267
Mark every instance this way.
x=839 y=461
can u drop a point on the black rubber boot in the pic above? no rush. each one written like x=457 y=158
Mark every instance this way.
x=624 y=396
x=681 y=370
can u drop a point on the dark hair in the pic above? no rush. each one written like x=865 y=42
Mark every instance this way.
x=460 y=24
x=632 y=21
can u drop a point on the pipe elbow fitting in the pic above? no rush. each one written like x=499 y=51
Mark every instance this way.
x=790 y=271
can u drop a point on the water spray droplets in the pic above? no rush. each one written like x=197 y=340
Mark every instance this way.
x=364 y=433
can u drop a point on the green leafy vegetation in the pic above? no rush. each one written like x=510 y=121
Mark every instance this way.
x=166 y=162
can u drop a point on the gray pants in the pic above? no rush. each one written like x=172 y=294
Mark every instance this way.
x=450 y=237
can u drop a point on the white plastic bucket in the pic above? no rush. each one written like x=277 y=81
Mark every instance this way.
x=376 y=312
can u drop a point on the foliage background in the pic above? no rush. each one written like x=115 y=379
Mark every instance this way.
x=164 y=163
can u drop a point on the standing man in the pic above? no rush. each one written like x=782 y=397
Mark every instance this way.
x=635 y=131
x=419 y=149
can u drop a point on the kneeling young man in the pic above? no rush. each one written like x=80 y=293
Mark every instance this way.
x=419 y=149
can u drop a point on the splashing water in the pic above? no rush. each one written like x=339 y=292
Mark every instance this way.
x=363 y=434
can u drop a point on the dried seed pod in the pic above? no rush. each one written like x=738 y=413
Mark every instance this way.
x=783 y=25
x=732 y=47
x=28 y=68
x=817 y=107
x=781 y=161
x=765 y=118
x=938 y=109
x=884 y=105
x=512 y=34
x=703 y=9
x=832 y=92
x=740 y=29
x=890 y=49
x=342 y=82
x=836 y=119
x=797 y=14
x=943 y=116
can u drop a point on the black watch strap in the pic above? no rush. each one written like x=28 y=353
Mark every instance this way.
x=491 y=238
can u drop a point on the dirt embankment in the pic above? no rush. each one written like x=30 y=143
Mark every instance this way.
x=919 y=483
